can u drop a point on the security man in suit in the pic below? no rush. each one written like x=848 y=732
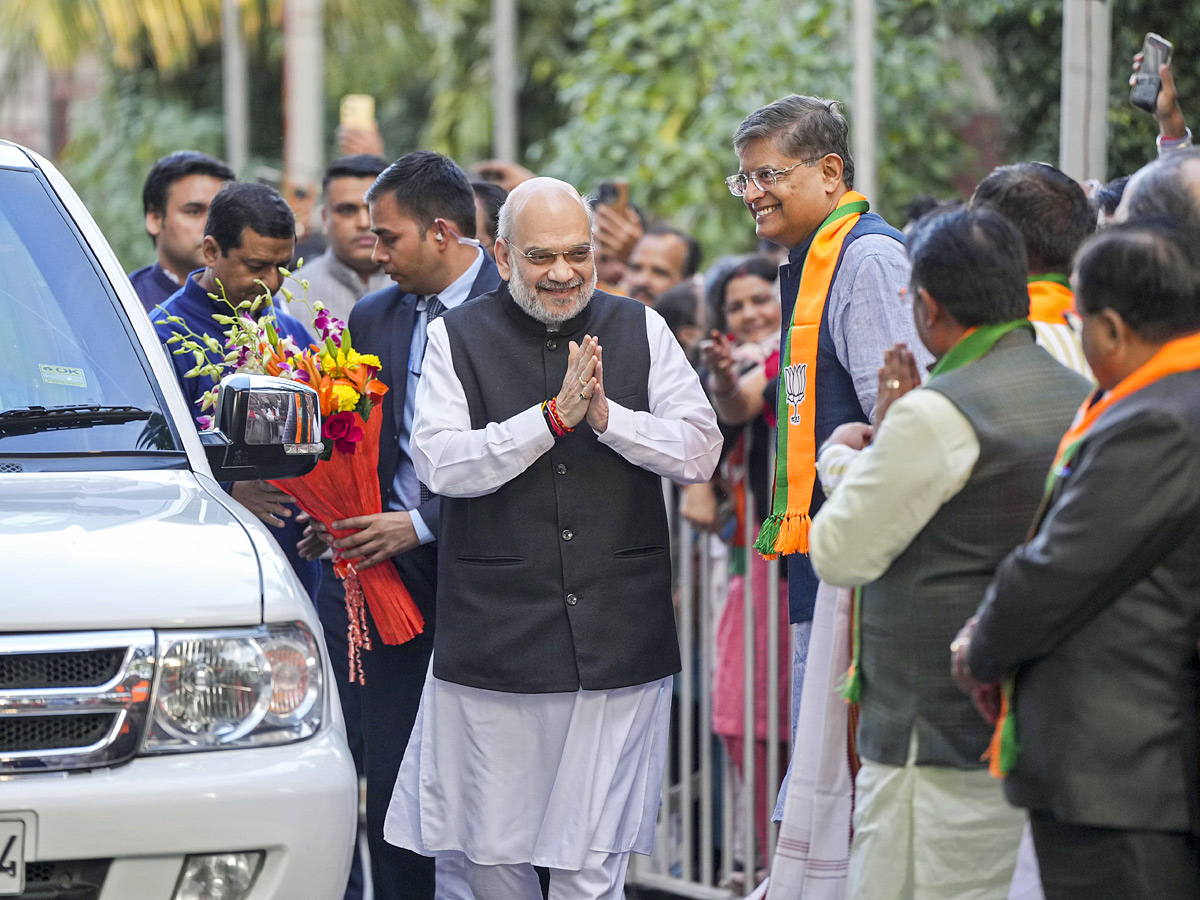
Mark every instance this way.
x=423 y=217
x=1094 y=621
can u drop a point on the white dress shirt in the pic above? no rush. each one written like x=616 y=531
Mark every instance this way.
x=406 y=490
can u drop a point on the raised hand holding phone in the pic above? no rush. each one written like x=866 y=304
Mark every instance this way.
x=1147 y=80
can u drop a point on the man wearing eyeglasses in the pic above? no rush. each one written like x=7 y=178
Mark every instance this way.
x=547 y=415
x=840 y=286
x=422 y=212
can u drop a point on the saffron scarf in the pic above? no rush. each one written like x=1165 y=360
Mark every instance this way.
x=1050 y=298
x=1179 y=355
x=785 y=530
x=973 y=345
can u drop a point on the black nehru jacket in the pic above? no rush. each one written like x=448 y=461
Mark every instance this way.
x=561 y=578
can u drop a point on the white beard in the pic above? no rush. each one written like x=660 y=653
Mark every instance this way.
x=525 y=295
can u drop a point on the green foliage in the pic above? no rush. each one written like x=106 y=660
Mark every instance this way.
x=1027 y=38
x=114 y=144
x=651 y=93
x=657 y=92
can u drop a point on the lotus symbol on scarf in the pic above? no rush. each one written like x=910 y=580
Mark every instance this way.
x=795 y=382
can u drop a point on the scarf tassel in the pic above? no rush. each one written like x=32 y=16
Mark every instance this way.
x=852 y=687
x=1002 y=751
x=782 y=534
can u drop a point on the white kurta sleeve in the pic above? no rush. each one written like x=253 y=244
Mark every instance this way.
x=678 y=438
x=921 y=456
x=452 y=459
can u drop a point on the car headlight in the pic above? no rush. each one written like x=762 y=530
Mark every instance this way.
x=235 y=688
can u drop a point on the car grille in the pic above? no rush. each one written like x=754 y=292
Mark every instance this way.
x=53 y=732
x=73 y=701
x=77 y=879
x=87 y=668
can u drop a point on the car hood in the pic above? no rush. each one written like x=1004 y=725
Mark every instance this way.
x=88 y=551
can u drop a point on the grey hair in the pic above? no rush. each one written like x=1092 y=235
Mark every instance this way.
x=801 y=127
x=1163 y=189
x=505 y=226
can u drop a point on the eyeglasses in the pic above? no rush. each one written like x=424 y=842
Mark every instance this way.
x=764 y=179
x=573 y=255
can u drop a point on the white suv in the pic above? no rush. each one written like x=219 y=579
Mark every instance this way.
x=168 y=724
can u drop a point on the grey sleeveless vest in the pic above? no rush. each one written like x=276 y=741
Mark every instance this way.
x=1020 y=402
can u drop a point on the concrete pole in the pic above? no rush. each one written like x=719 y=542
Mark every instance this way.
x=1083 y=135
x=303 y=92
x=862 y=98
x=235 y=87
x=504 y=79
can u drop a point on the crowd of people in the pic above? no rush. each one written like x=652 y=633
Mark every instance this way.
x=971 y=444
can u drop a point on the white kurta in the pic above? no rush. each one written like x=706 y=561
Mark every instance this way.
x=542 y=778
x=539 y=778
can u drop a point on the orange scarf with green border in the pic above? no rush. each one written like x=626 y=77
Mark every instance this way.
x=1050 y=298
x=785 y=530
x=1179 y=355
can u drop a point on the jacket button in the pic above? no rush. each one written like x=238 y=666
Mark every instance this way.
x=572 y=599
x=551 y=344
x=560 y=469
x=568 y=534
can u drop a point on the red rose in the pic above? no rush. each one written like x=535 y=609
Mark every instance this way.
x=343 y=429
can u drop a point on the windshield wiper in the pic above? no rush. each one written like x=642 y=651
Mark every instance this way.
x=36 y=419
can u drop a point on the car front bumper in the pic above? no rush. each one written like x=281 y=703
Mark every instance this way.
x=297 y=803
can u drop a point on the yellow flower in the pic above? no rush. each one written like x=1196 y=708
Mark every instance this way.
x=346 y=396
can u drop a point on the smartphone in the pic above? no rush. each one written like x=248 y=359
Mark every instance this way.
x=358 y=111
x=613 y=193
x=1156 y=52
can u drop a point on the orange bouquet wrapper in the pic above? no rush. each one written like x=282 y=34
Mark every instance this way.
x=343 y=486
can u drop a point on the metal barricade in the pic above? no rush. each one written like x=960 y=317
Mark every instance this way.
x=694 y=854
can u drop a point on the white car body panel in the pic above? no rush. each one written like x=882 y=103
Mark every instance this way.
x=165 y=549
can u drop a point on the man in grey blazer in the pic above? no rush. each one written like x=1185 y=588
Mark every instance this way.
x=1093 y=623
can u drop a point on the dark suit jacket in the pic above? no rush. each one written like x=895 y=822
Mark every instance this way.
x=1099 y=615
x=382 y=324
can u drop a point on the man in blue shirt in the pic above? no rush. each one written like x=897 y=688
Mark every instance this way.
x=249 y=236
x=176 y=197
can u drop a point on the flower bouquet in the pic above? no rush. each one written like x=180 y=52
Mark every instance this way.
x=344 y=482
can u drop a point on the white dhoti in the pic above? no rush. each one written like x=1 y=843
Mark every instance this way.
x=813 y=852
x=543 y=779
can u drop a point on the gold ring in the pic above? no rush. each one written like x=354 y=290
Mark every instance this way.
x=583 y=396
x=893 y=384
x=583 y=381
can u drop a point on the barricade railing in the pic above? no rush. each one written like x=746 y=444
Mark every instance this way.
x=706 y=823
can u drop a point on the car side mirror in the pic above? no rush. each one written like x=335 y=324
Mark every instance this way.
x=264 y=428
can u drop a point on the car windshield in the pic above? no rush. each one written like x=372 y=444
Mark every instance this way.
x=74 y=382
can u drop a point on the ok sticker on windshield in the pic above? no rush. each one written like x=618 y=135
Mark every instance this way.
x=63 y=375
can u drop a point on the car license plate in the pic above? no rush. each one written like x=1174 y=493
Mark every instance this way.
x=12 y=857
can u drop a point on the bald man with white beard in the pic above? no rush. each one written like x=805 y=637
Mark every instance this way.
x=547 y=414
